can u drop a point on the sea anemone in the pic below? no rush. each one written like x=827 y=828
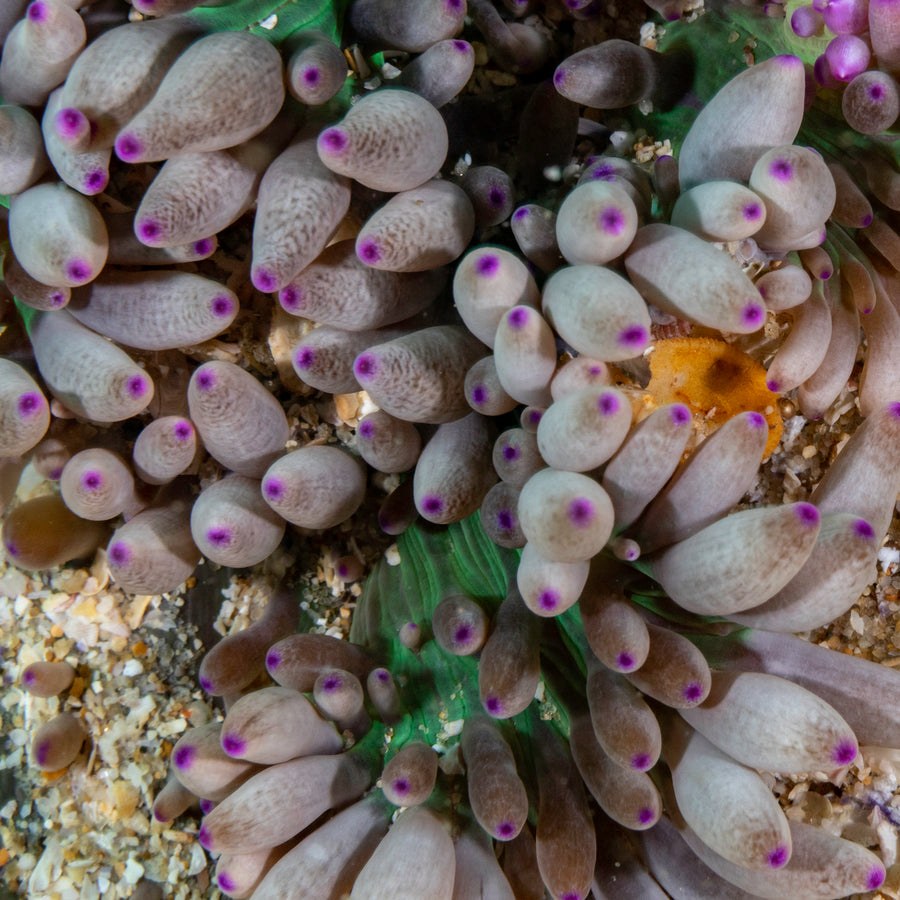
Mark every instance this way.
x=580 y=673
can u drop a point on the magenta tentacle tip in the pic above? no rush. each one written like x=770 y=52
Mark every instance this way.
x=776 y=858
x=523 y=212
x=219 y=536
x=263 y=280
x=29 y=404
x=203 y=247
x=844 y=753
x=95 y=181
x=78 y=271
x=692 y=692
x=877 y=874
x=92 y=480
x=128 y=147
x=365 y=366
x=646 y=815
x=480 y=395
x=149 y=231
x=496 y=197
x=625 y=662
x=506 y=520
x=68 y=123
x=505 y=831
x=400 y=786
x=305 y=358
x=366 y=429
x=291 y=298
x=493 y=705
x=862 y=529
x=633 y=336
x=432 y=504
x=807 y=514
x=37 y=11
x=487 y=265
x=753 y=314
x=183 y=757
x=608 y=404
x=273 y=489
x=641 y=761
x=206 y=684
x=612 y=221
x=369 y=251
x=756 y=420
x=680 y=414
x=518 y=318
x=581 y=512
x=462 y=46
x=41 y=752
x=548 y=599
x=333 y=141
x=311 y=76
x=225 y=881
x=233 y=744
x=273 y=660
x=205 y=838
x=120 y=553
x=137 y=386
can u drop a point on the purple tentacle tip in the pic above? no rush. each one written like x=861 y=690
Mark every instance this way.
x=273 y=489
x=692 y=692
x=263 y=280
x=844 y=753
x=511 y=452
x=37 y=11
x=366 y=429
x=862 y=529
x=641 y=761
x=365 y=366
x=548 y=599
x=506 y=520
x=368 y=251
x=534 y=416
x=203 y=247
x=776 y=858
x=222 y=306
x=752 y=211
x=273 y=660
x=807 y=514
x=120 y=553
x=149 y=230
x=487 y=265
x=291 y=298
x=866 y=220
x=462 y=46
x=756 y=420
x=91 y=480
x=78 y=270
x=400 y=786
x=304 y=358
x=29 y=678
x=333 y=140
x=207 y=806
x=876 y=878
x=11 y=548
x=505 y=830
x=137 y=386
x=219 y=536
x=29 y=403
x=559 y=76
x=183 y=430
x=205 y=838
x=894 y=408
x=206 y=684
x=571 y=895
x=432 y=504
x=233 y=744
x=581 y=512
x=462 y=635
x=332 y=683
x=183 y=757
x=773 y=385
x=41 y=752
x=57 y=299
x=454 y=5
x=753 y=314
x=625 y=662
x=95 y=181
x=781 y=169
x=383 y=675
x=225 y=881
x=68 y=122
x=608 y=404
x=496 y=197
x=611 y=220
x=493 y=705
x=646 y=815
x=518 y=318
x=523 y=212
x=680 y=414
x=128 y=147
x=825 y=274
x=633 y=336
x=480 y=395
x=311 y=76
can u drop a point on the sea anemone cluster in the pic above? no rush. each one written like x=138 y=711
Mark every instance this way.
x=569 y=365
